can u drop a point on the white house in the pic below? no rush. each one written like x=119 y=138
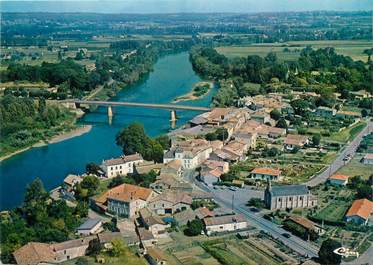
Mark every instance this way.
x=191 y=153
x=90 y=227
x=170 y=202
x=224 y=223
x=121 y=165
x=264 y=173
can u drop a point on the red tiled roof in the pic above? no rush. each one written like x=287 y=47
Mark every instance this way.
x=339 y=177
x=362 y=208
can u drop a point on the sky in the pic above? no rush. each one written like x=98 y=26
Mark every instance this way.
x=178 y=6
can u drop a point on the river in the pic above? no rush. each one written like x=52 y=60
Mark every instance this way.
x=172 y=76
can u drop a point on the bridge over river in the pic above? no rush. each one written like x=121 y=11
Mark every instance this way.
x=110 y=104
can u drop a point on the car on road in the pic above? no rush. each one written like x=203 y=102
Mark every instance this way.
x=254 y=210
x=233 y=188
x=287 y=235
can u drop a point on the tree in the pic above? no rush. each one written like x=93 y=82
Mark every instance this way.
x=364 y=113
x=194 y=227
x=364 y=191
x=256 y=202
x=282 y=123
x=326 y=254
x=221 y=134
x=133 y=139
x=275 y=114
x=116 y=181
x=316 y=138
x=92 y=169
x=211 y=136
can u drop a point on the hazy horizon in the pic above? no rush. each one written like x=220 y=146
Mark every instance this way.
x=185 y=6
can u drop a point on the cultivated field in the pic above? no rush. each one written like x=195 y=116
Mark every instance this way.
x=354 y=49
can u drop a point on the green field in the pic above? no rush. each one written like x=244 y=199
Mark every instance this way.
x=354 y=49
x=356 y=168
x=334 y=212
x=347 y=134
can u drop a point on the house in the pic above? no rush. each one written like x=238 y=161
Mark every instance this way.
x=307 y=224
x=288 y=197
x=248 y=138
x=212 y=170
x=167 y=181
x=325 y=112
x=147 y=166
x=261 y=130
x=146 y=237
x=224 y=156
x=237 y=148
x=155 y=256
x=191 y=153
x=152 y=222
x=264 y=173
x=360 y=211
x=221 y=116
x=124 y=200
x=338 y=180
x=170 y=202
x=174 y=167
x=72 y=249
x=182 y=218
x=225 y=223
x=70 y=181
x=121 y=165
x=348 y=115
x=293 y=141
x=164 y=182
x=262 y=116
x=69 y=185
x=368 y=159
x=34 y=253
x=213 y=164
x=90 y=227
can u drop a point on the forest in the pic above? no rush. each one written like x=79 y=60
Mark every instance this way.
x=322 y=71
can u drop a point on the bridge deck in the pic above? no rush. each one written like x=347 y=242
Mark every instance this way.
x=144 y=105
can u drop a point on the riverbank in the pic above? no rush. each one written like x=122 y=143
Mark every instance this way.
x=78 y=131
x=199 y=90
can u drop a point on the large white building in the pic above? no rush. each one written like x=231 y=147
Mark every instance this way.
x=121 y=165
x=191 y=153
x=224 y=223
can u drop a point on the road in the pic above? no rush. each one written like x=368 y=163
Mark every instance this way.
x=224 y=199
x=338 y=162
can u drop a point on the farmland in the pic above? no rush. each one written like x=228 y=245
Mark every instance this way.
x=258 y=249
x=290 y=51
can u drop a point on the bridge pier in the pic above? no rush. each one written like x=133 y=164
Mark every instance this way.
x=173 y=116
x=109 y=111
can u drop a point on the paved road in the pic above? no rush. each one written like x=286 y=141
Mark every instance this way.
x=224 y=198
x=338 y=162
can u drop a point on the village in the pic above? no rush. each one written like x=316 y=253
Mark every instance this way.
x=228 y=172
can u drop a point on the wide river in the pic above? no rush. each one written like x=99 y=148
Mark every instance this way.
x=172 y=76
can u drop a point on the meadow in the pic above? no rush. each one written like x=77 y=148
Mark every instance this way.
x=290 y=51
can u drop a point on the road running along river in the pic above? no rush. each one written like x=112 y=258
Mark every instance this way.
x=172 y=76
